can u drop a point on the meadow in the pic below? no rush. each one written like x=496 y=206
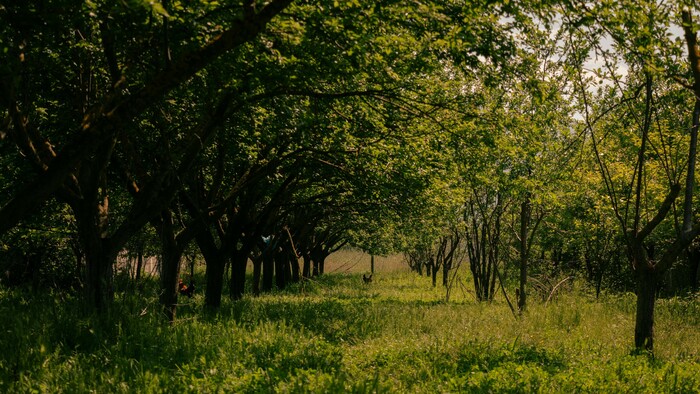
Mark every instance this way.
x=336 y=334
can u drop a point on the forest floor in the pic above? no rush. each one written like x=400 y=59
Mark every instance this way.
x=336 y=334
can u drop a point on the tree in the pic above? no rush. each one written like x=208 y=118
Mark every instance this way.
x=653 y=244
x=73 y=165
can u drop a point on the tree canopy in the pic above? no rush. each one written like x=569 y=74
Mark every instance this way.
x=547 y=137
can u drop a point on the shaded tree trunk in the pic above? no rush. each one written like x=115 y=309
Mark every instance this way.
x=483 y=237
x=215 y=264
x=239 y=262
x=683 y=277
x=139 y=266
x=316 y=259
x=281 y=264
x=99 y=284
x=306 y=271
x=446 y=273
x=525 y=215
x=268 y=268
x=257 y=271
x=294 y=265
x=646 y=298
x=99 y=259
x=171 y=255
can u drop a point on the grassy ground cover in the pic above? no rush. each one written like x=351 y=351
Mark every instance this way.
x=337 y=334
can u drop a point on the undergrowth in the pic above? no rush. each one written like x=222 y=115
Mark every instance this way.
x=336 y=334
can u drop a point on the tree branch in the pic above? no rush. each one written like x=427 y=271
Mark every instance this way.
x=102 y=123
x=660 y=214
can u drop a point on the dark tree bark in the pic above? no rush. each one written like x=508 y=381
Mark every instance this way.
x=446 y=273
x=100 y=126
x=306 y=270
x=281 y=265
x=482 y=235
x=296 y=275
x=525 y=214
x=646 y=298
x=215 y=264
x=172 y=249
x=268 y=266
x=139 y=266
x=257 y=271
x=91 y=219
x=239 y=262
x=434 y=271
x=316 y=258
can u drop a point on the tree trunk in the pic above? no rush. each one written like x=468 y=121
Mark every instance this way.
x=446 y=273
x=695 y=263
x=280 y=258
x=215 y=280
x=294 y=264
x=306 y=271
x=139 y=266
x=215 y=264
x=239 y=262
x=99 y=261
x=99 y=279
x=171 y=254
x=316 y=268
x=237 y=282
x=257 y=268
x=646 y=297
x=317 y=259
x=268 y=269
x=682 y=278
x=169 y=282
x=287 y=268
x=524 y=224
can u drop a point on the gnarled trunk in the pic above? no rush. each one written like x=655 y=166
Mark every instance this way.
x=646 y=298
x=281 y=264
x=239 y=262
x=99 y=258
x=306 y=270
x=268 y=268
x=171 y=255
x=99 y=278
x=215 y=264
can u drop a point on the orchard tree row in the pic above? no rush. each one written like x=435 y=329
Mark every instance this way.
x=539 y=138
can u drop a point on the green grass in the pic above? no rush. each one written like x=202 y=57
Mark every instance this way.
x=336 y=334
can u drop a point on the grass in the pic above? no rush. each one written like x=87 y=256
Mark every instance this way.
x=336 y=334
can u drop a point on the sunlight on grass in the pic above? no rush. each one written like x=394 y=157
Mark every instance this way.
x=337 y=334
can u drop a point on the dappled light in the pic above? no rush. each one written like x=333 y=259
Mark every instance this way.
x=349 y=196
